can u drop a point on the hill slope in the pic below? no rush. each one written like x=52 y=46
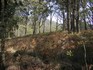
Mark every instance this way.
x=53 y=49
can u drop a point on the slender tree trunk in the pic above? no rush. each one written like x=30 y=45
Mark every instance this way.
x=2 y=38
x=34 y=24
x=63 y=20
x=92 y=15
x=68 y=15
x=43 y=26
x=84 y=14
x=2 y=61
x=85 y=57
x=77 y=17
x=34 y=27
x=26 y=26
x=57 y=24
x=85 y=22
x=50 y=22
x=25 y=29
x=39 y=26
x=0 y=7
x=80 y=24
x=73 y=18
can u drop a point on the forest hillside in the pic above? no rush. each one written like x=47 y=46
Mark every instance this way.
x=46 y=34
x=52 y=49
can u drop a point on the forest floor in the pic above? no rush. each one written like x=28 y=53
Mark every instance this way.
x=50 y=51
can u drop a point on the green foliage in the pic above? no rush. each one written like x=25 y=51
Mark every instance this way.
x=91 y=0
x=10 y=20
x=69 y=53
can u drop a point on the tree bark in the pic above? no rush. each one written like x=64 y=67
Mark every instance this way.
x=68 y=15
x=34 y=27
x=84 y=14
x=34 y=24
x=63 y=20
x=77 y=17
x=26 y=26
x=84 y=19
x=2 y=63
x=57 y=24
x=43 y=26
x=39 y=26
x=85 y=57
x=50 y=22
x=73 y=18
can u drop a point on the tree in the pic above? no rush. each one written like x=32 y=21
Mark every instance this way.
x=57 y=24
x=77 y=17
x=50 y=22
x=74 y=15
x=84 y=14
x=43 y=22
x=39 y=11
x=8 y=22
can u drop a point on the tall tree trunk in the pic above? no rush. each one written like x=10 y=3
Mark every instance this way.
x=73 y=18
x=43 y=26
x=68 y=15
x=57 y=24
x=26 y=29
x=85 y=22
x=85 y=57
x=92 y=16
x=39 y=26
x=80 y=25
x=34 y=24
x=34 y=27
x=50 y=22
x=77 y=16
x=2 y=54
x=2 y=37
x=63 y=20
x=84 y=14
x=26 y=26
x=0 y=7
